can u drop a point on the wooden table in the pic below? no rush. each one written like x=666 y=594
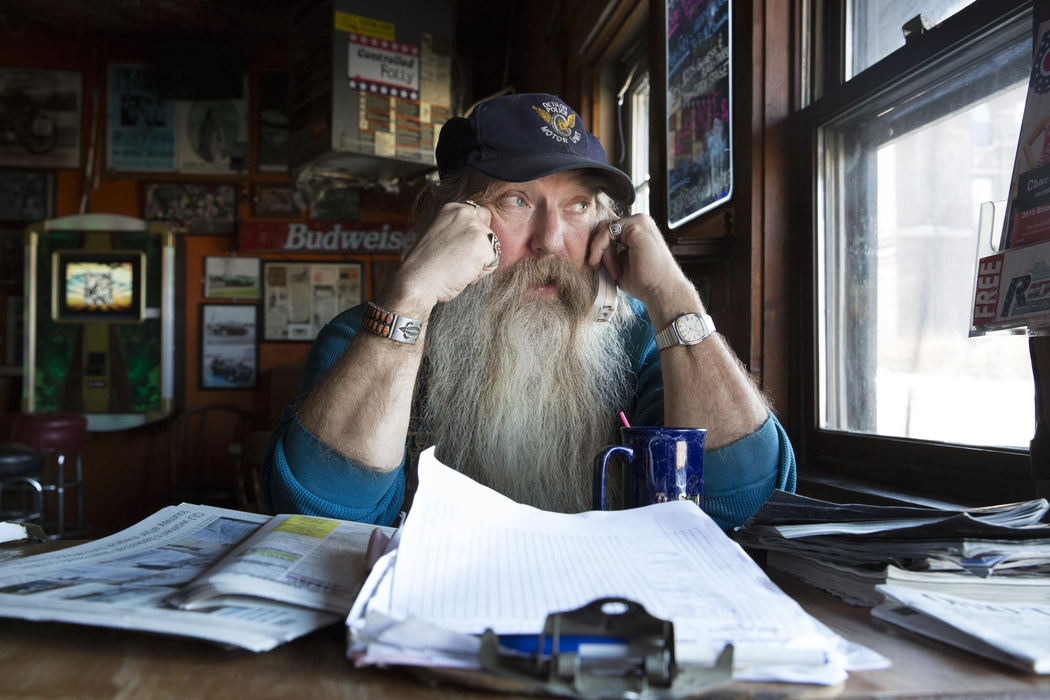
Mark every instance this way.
x=51 y=660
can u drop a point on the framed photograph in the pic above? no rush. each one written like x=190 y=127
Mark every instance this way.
x=300 y=297
x=211 y=135
x=140 y=132
x=230 y=277
x=192 y=208
x=278 y=200
x=229 y=353
x=335 y=203
x=26 y=195
x=699 y=108
x=41 y=111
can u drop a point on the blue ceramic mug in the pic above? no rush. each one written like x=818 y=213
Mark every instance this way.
x=660 y=464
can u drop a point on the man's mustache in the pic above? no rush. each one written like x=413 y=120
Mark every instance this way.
x=574 y=286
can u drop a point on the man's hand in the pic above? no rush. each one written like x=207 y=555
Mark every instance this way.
x=455 y=252
x=644 y=267
x=705 y=386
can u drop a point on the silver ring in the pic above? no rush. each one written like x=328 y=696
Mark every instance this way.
x=474 y=204
x=497 y=250
x=615 y=229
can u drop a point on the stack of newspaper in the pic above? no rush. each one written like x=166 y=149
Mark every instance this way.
x=469 y=560
x=919 y=566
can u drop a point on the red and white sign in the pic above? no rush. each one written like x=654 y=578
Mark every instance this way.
x=986 y=298
x=322 y=237
x=1013 y=289
x=383 y=67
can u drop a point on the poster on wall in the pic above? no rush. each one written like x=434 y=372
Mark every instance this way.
x=228 y=348
x=211 y=135
x=699 y=108
x=192 y=208
x=141 y=133
x=300 y=297
x=40 y=118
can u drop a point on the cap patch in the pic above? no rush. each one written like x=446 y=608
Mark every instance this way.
x=560 y=122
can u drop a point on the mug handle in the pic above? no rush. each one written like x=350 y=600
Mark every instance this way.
x=600 y=462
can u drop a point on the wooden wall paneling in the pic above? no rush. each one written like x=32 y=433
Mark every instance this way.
x=770 y=232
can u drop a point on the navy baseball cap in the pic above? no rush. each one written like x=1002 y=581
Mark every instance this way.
x=524 y=137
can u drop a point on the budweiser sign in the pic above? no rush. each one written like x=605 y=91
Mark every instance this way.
x=322 y=237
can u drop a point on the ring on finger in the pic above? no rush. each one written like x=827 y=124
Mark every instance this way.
x=615 y=229
x=473 y=204
x=497 y=250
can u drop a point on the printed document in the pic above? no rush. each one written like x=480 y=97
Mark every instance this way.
x=471 y=559
x=1013 y=633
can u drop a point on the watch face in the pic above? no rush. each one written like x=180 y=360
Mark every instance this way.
x=691 y=328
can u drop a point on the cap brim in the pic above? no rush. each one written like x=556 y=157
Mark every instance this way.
x=523 y=167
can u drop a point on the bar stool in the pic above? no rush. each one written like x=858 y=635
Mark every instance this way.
x=61 y=435
x=20 y=471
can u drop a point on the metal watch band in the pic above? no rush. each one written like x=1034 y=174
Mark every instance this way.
x=387 y=324
x=670 y=336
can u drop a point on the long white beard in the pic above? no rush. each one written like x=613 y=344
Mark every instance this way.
x=523 y=390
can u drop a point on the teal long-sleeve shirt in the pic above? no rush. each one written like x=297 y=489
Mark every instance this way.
x=301 y=474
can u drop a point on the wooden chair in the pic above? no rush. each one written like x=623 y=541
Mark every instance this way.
x=206 y=452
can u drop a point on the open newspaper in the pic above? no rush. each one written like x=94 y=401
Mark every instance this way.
x=470 y=559
x=252 y=581
x=1013 y=633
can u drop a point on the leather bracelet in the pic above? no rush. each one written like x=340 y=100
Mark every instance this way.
x=387 y=324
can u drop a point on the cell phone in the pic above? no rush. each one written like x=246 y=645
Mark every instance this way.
x=605 y=297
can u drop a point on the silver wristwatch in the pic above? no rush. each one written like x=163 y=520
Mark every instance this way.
x=686 y=329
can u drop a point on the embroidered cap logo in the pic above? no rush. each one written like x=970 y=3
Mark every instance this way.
x=560 y=122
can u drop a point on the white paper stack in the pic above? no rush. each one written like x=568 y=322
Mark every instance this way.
x=469 y=559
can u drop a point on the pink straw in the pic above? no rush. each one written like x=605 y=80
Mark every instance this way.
x=624 y=419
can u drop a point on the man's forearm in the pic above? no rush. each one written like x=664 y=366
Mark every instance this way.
x=363 y=405
x=705 y=385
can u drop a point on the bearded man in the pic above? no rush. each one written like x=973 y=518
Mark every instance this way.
x=485 y=343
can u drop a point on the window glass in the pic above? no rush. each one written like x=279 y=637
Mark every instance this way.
x=640 y=144
x=874 y=26
x=902 y=180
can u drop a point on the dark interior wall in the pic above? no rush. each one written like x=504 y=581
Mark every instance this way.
x=126 y=472
x=519 y=44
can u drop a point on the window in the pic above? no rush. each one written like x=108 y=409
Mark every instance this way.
x=638 y=95
x=874 y=26
x=632 y=119
x=906 y=152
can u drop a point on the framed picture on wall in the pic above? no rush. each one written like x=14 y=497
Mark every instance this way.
x=300 y=297
x=229 y=352
x=211 y=136
x=192 y=208
x=140 y=123
x=275 y=199
x=41 y=114
x=26 y=195
x=699 y=108
x=231 y=277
